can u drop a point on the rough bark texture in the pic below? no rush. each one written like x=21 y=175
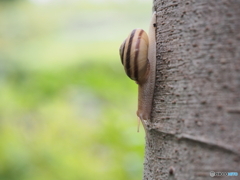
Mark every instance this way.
x=195 y=124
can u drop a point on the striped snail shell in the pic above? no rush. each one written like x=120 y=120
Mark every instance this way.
x=134 y=55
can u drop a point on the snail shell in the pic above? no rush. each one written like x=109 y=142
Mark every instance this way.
x=134 y=55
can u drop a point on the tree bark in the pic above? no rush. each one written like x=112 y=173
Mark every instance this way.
x=195 y=126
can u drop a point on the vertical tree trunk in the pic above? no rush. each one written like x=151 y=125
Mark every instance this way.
x=195 y=125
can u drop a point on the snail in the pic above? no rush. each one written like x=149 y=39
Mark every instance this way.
x=138 y=56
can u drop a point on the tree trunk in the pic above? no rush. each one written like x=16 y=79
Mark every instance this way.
x=195 y=126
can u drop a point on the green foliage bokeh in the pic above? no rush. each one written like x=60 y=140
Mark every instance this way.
x=67 y=110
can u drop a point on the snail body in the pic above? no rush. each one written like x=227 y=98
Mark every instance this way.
x=138 y=56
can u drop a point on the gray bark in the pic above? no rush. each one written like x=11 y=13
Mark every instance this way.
x=195 y=125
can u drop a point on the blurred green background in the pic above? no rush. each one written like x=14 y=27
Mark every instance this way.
x=67 y=109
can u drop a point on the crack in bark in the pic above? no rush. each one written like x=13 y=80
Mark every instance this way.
x=204 y=141
x=195 y=139
x=233 y=110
